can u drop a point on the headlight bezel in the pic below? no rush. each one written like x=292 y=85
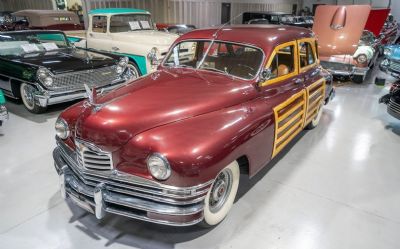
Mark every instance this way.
x=165 y=164
x=121 y=65
x=387 y=51
x=62 y=128
x=362 y=58
x=45 y=76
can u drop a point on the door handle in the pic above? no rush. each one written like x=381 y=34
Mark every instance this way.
x=298 y=81
x=91 y=34
x=317 y=71
x=115 y=48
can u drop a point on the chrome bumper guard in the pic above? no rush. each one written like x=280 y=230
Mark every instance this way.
x=127 y=195
x=393 y=108
x=3 y=113
x=45 y=98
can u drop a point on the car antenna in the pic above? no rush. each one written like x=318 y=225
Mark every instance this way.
x=224 y=24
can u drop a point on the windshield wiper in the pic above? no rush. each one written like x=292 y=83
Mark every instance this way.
x=215 y=70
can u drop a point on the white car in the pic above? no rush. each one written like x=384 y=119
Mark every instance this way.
x=128 y=32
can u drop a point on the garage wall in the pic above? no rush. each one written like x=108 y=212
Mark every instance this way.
x=14 y=5
x=200 y=13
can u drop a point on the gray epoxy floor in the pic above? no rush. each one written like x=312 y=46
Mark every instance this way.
x=335 y=187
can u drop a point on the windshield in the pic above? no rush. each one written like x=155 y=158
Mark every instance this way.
x=131 y=22
x=18 y=44
x=227 y=58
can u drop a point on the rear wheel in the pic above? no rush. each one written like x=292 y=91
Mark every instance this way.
x=314 y=123
x=28 y=99
x=221 y=195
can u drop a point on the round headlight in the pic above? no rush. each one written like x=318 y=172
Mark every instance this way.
x=158 y=166
x=42 y=73
x=62 y=129
x=386 y=51
x=123 y=62
x=119 y=69
x=362 y=58
x=48 y=81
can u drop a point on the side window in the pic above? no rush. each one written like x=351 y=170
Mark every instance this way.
x=99 y=24
x=307 y=56
x=283 y=62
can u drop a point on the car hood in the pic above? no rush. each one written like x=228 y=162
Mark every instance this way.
x=376 y=20
x=338 y=28
x=148 y=37
x=166 y=96
x=67 y=60
x=394 y=52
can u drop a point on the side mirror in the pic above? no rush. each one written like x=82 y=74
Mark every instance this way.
x=265 y=75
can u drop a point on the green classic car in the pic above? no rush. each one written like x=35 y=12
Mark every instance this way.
x=3 y=109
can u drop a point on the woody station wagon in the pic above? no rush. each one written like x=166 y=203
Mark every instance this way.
x=169 y=147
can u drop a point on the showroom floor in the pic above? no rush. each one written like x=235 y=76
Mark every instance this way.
x=336 y=187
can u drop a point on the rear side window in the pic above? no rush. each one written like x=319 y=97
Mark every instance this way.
x=283 y=62
x=307 y=56
x=99 y=24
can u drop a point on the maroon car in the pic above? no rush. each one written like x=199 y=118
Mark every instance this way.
x=169 y=147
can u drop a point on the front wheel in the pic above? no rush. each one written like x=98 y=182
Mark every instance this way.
x=221 y=195
x=134 y=71
x=28 y=99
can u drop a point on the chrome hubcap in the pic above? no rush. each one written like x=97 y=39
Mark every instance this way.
x=220 y=190
x=27 y=92
x=133 y=73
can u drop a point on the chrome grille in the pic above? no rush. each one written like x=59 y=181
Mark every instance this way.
x=91 y=157
x=336 y=66
x=394 y=66
x=75 y=80
x=394 y=106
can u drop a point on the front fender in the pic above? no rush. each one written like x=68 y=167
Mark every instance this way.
x=199 y=147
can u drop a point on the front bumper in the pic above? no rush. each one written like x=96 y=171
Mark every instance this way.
x=393 y=108
x=3 y=113
x=344 y=70
x=45 y=98
x=127 y=195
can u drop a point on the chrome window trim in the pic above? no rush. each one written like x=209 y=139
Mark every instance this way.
x=262 y=64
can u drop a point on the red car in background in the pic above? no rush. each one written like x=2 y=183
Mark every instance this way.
x=382 y=24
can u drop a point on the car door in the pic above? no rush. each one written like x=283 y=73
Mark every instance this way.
x=98 y=36
x=309 y=71
x=284 y=91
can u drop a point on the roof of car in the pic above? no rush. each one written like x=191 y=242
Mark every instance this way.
x=32 y=12
x=117 y=11
x=266 y=37
x=267 y=12
x=31 y=31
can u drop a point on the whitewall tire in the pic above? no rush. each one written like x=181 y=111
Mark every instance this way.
x=315 y=121
x=221 y=195
x=27 y=92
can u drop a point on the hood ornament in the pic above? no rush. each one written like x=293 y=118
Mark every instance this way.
x=92 y=98
x=91 y=94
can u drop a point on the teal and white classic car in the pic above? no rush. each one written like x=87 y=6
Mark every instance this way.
x=127 y=32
